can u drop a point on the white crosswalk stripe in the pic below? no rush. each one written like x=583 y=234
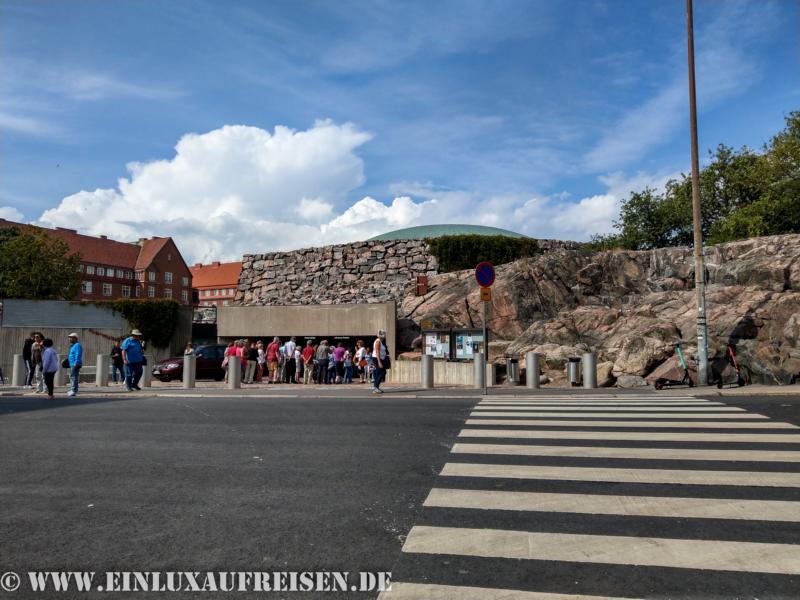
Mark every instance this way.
x=549 y=422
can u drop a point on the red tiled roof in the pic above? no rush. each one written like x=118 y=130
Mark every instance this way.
x=99 y=250
x=150 y=248
x=216 y=275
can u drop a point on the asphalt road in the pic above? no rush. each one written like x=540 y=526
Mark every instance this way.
x=234 y=484
x=325 y=483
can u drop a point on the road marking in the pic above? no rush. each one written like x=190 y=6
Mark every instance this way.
x=633 y=453
x=502 y=412
x=606 y=401
x=611 y=409
x=606 y=549
x=644 y=436
x=645 y=506
x=593 y=423
x=679 y=476
x=430 y=591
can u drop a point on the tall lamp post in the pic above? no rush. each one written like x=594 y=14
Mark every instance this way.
x=699 y=267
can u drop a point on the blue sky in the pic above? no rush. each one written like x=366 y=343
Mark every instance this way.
x=539 y=116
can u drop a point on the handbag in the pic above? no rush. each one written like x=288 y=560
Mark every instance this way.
x=65 y=363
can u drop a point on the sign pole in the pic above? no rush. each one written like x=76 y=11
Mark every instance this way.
x=485 y=347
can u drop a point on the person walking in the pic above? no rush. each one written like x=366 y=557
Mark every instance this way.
x=133 y=358
x=348 y=366
x=261 y=360
x=27 y=358
x=273 y=349
x=75 y=359
x=252 y=362
x=322 y=361
x=229 y=353
x=298 y=363
x=338 y=356
x=361 y=362
x=117 y=364
x=308 y=363
x=36 y=357
x=379 y=354
x=49 y=365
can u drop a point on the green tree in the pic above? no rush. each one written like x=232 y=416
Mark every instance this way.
x=36 y=266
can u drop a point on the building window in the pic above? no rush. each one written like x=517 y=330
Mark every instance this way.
x=80 y=268
x=140 y=275
x=120 y=274
x=151 y=275
x=128 y=275
x=90 y=269
x=107 y=289
x=86 y=287
x=151 y=291
x=101 y=271
x=185 y=281
x=216 y=292
x=126 y=291
x=224 y=303
x=184 y=296
x=167 y=292
x=138 y=291
x=167 y=276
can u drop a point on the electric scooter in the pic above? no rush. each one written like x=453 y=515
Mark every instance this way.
x=740 y=380
x=663 y=382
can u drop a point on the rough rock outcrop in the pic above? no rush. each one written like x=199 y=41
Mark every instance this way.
x=630 y=307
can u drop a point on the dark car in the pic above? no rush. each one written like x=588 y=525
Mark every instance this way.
x=209 y=364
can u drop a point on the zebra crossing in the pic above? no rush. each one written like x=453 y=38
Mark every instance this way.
x=642 y=496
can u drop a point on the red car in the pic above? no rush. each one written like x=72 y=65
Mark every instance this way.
x=209 y=364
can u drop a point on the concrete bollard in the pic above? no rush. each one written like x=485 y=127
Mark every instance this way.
x=18 y=371
x=101 y=370
x=491 y=374
x=479 y=368
x=426 y=371
x=147 y=371
x=589 y=371
x=189 y=371
x=512 y=371
x=62 y=375
x=234 y=373
x=532 y=370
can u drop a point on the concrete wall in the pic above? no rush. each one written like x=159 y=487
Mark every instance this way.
x=444 y=372
x=316 y=320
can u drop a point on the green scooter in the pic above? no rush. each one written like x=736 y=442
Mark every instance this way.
x=663 y=382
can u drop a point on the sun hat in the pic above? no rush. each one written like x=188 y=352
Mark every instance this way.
x=136 y=332
x=73 y=334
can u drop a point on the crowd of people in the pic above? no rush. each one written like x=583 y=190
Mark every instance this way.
x=323 y=363
x=41 y=362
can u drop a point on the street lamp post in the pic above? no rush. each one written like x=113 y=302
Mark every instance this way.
x=699 y=267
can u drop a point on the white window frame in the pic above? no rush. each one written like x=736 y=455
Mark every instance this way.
x=151 y=291
x=90 y=269
x=151 y=275
x=101 y=271
x=184 y=296
x=126 y=291
x=108 y=289
x=167 y=276
x=167 y=292
x=185 y=281
x=86 y=287
x=138 y=292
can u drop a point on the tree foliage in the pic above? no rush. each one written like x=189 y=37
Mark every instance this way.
x=743 y=193
x=36 y=266
x=156 y=319
x=458 y=252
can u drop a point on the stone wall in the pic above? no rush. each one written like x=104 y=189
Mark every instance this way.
x=369 y=272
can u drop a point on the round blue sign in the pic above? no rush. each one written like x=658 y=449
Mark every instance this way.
x=484 y=274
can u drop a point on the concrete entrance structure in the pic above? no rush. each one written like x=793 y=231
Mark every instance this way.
x=320 y=320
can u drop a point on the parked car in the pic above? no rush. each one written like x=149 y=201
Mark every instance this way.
x=209 y=364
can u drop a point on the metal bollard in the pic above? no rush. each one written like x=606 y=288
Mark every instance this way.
x=532 y=370
x=573 y=371
x=589 y=371
x=18 y=371
x=426 y=371
x=189 y=371
x=234 y=373
x=491 y=374
x=147 y=371
x=512 y=371
x=101 y=370
x=61 y=375
x=479 y=367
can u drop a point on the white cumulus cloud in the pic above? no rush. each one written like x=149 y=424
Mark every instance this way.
x=10 y=213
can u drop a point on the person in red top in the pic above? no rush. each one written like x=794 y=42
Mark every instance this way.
x=308 y=361
x=272 y=358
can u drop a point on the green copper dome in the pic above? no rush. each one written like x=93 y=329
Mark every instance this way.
x=433 y=231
